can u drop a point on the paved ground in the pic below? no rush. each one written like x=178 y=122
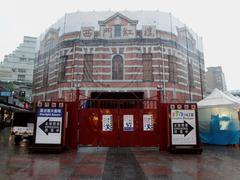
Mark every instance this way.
x=116 y=163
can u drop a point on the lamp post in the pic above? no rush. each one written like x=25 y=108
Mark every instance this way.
x=77 y=85
x=159 y=93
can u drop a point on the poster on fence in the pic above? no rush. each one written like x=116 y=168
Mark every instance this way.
x=128 y=124
x=147 y=122
x=107 y=122
x=183 y=127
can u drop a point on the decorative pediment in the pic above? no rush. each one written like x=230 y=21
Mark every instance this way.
x=118 y=26
x=117 y=18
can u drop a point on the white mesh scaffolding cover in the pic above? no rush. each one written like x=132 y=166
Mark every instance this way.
x=72 y=22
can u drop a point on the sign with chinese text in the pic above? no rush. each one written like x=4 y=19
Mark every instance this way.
x=147 y=122
x=107 y=122
x=149 y=31
x=5 y=93
x=129 y=31
x=183 y=127
x=87 y=32
x=128 y=124
x=107 y=32
x=49 y=125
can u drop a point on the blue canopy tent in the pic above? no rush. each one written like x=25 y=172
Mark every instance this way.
x=219 y=119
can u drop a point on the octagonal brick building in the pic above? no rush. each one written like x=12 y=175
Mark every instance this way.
x=119 y=55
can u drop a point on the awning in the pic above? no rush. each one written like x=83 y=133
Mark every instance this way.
x=13 y=108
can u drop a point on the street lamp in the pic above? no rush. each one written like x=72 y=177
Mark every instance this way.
x=77 y=85
x=159 y=92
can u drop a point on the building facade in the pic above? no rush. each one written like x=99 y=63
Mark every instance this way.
x=18 y=66
x=215 y=79
x=16 y=74
x=235 y=92
x=124 y=54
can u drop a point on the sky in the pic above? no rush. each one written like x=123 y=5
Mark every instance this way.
x=216 y=21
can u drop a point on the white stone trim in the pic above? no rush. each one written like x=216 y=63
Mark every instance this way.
x=101 y=73
x=75 y=73
x=156 y=73
x=160 y=59
x=157 y=66
x=55 y=76
x=97 y=59
x=75 y=66
x=100 y=66
x=182 y=77
x=134 y=66
x=53 y=83
x=133 y=73
x=132 y=59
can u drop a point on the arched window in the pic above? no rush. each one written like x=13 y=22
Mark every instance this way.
x=117 y=68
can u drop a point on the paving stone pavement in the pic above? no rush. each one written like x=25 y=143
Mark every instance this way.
x=216 y=162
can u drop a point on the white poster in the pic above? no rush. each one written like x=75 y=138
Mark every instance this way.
x=183 y=127
x=147 y=122
x=107 y=122
x=128 y=123
x=49 y=126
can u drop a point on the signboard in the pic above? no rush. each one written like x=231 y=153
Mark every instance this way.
x=107 y=122
x=128 y=124
x=129 y=31
x=87 y=32
x=49 y=125
x=147 y=122
x=183 y=127
x=148 y=31
x=5 y=93
x=107 y=32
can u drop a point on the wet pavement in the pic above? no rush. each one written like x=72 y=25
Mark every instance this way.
x=216 y=162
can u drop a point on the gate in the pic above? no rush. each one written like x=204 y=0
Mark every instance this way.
x=122 y=123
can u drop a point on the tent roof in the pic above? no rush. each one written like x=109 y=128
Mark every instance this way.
x=218 y=98
x=232 y=96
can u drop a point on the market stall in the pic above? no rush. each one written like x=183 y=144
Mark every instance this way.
x=219 y=119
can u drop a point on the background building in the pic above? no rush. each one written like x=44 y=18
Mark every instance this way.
x=16 y=74
x=235 y=92
x=18 y=66
x=119 y=55
x=215 y=79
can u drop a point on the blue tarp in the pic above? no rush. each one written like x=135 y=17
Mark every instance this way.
x=223 y=131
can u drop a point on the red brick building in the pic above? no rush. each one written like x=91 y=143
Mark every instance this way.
x=119 y=55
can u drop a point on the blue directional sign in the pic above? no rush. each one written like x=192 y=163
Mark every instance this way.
x=5 y=93
x=49 y=125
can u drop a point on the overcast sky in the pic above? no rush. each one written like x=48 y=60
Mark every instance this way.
x=217 y=21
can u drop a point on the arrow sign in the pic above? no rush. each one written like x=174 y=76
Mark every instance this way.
x=182 y=128
x=50 y=127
